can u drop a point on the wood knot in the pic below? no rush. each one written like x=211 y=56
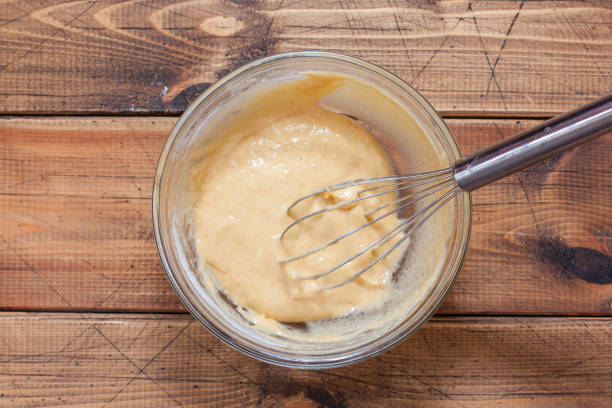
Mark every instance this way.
x=222 y=26
x=587 y=264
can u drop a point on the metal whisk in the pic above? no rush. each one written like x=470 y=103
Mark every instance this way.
x=467 y=174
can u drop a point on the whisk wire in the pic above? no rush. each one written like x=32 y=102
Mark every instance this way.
x=428 y=192
x=338 y=238
x=404 y=184
x=377 y=243
x=333 y=207
x=425 y=193
x=357 y=182
x=356 y=200
x=389 y=235
x=449 y=196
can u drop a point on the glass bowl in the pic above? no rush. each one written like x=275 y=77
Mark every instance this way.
x=174 y=236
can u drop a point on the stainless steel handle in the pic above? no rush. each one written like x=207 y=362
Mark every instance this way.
x=532 y=145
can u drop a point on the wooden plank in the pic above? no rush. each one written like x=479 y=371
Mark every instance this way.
x=76 y=229
x=76 y=232
x=165 y=360
x=541 y=239
x=515 y=57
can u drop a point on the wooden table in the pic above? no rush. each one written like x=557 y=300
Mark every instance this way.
x=89 y=91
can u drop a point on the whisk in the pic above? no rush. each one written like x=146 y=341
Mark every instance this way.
x=467 y=174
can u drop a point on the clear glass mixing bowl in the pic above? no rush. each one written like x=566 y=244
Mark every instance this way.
x=174 y=236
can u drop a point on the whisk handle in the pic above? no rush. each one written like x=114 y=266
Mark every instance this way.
x=532 y=145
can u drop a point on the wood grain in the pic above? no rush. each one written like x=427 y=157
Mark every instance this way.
x=171 y=361
x=467 y=58
x=76 y=231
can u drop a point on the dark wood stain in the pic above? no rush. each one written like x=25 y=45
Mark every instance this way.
x=326 y=399
x=583 y=263
x=187 y=96
x=261 y=47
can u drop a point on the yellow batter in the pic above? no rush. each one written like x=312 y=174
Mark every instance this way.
x=281 y=146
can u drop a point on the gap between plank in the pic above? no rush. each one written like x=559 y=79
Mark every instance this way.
x=186 y=313
x=94 y=114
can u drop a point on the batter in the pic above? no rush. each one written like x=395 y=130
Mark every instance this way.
x=281 y=146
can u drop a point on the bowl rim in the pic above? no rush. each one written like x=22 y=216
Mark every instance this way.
x=347 y=357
